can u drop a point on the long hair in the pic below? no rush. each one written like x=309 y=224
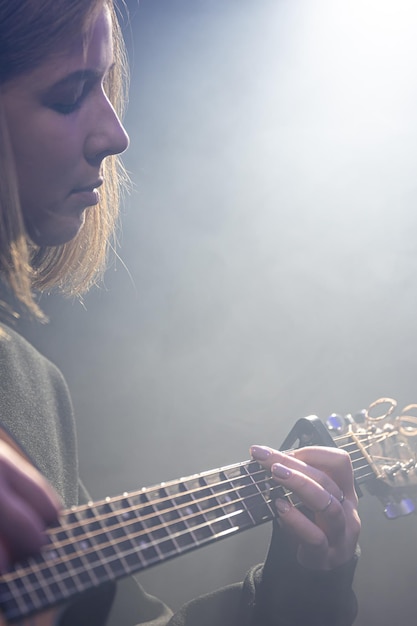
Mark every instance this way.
x=29 y=31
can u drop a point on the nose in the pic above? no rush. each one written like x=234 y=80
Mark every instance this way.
x=107 y=134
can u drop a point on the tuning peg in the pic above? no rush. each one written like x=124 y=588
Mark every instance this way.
x=391 y=470
x=407 y=506
x=391 y=510
x=360 y=416
x=349 y=419
x=404 y=507
x=335 y=423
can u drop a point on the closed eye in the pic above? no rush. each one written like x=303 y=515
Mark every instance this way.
x=71 y=103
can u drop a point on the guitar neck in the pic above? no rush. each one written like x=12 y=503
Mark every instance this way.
x=119 y=536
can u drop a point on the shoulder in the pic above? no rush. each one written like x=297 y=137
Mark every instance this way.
x=36 y=411
x=21 y=362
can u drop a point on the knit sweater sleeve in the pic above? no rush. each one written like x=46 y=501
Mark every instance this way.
x=284 y=593
x=279 y=592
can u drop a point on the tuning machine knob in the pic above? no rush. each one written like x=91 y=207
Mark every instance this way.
x=335 y=423
x=403 y=507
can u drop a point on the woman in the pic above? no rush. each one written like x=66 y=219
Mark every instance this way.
x=61 y=94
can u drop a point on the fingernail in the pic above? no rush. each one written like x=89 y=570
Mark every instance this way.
x=282 y=506
x=280 y=471
x=260 y=453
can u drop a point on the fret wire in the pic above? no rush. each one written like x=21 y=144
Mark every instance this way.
x=146 y=531
x=161 y=500
x=9 y=578
x=96 y=518
x=82 y=556
x=271 y=510
x=71 y=541
x=133 y=568
x=25 y=604
x=82 y=523
x=158 y=501
x=212 y=496
x=90 y=536
x=153 y=542
x=182 y=506
x=126 y=565
x=38 y=570
x=133 y=494
x=358 y=468
x=136 y=507
x=288 y=495
x=197 y=504
x=45 y=590
x=173 y=483
x=368 y=475
x=69 y=526
x=99 y=518
x=69 y=557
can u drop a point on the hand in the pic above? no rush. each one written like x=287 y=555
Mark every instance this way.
x=322 y=480
x=27 y=503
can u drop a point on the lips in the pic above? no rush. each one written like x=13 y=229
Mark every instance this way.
x=86 y=197
x=89 y=188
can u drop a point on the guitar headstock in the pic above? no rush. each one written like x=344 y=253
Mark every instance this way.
x=382 y=443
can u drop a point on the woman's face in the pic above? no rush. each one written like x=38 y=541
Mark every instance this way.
x=62 y=126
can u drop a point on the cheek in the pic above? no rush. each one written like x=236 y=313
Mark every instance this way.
x=45 y=158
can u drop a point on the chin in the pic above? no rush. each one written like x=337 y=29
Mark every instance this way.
x=53 y=235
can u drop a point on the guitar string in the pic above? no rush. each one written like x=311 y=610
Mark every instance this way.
x=90 y=534
x=113 y=515
x=114 y=500
x=108 y=501
x=43 y=567
x=65 y=527
x=154 y=543
x=97 y=518
x=130 y=569
x=154 y=529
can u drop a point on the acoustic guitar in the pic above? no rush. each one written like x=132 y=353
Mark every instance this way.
x=118 y=536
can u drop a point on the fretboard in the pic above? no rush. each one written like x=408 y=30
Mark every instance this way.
x=116 y=537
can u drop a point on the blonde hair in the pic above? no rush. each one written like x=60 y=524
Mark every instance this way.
x=28 y=33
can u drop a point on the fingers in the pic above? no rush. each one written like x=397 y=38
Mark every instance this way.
x=28 y=505
x=332 y=462
x=315 y=548
x=301 y=528
x=314 y=489
x=320 y=479
x=329 y=468
x=29 y=484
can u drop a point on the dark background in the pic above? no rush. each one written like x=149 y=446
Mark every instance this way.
x=268 y=260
